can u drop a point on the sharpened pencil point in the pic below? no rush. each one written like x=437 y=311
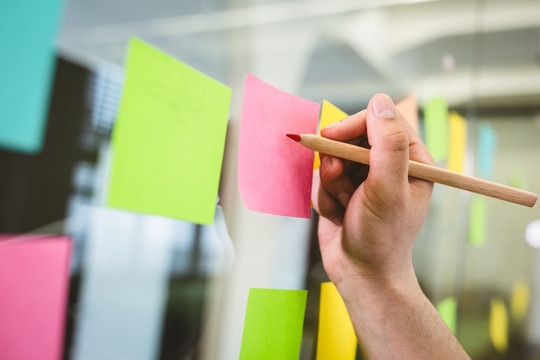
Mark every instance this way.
x=295 y=137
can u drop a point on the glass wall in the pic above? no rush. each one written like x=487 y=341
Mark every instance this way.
x=150 y=287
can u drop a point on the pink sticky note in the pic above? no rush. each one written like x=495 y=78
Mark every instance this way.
x=34 y=280
x=274 y=172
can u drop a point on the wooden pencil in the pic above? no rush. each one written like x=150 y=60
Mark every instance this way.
x=420 y=170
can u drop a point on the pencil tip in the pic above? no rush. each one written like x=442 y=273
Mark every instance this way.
x=295 y=137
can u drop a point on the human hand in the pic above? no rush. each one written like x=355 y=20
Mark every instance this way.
x=370 y=216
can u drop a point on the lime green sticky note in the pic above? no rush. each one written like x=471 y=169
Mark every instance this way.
x=169 y=138
x=478 y=221
x=436 y=127
x=448 y=311
x=518 y=179
x=273 y=324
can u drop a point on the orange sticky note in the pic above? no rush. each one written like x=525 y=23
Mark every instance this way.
x=274 y=172
x=329 y=114
x=408 y=106
x=336 y=339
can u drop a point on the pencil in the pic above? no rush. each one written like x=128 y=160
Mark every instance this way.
x=419 y=170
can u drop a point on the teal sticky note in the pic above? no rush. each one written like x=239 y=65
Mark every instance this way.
x=478 y=221
x=436 y=128
x=169 y=138
x=273 y=324
x=27 y=36
x=487 y=144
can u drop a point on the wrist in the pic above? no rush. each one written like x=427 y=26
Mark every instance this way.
x=370 y=287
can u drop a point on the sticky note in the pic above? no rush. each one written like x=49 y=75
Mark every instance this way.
x=34 y=281
x=336 y=338
x=498 y=325
x=520 y=300
x=169 y=138
x=436 y=128
x=408 y=106
x=27 y=34
x=329 y=114
x=448 y=311
x=487 y=144
x=478 y=221
x=457 y=142
x=273 y=324
x=274 y=172
x=518 y=179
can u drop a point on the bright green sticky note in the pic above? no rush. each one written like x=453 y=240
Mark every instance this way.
x=27 y=36
x=518 y=179
x=169 y=138
x=478 y=221
x=273 y=324
x=448 y=311
x=436 y=128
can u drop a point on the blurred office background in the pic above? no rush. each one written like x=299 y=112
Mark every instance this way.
x=146 y=287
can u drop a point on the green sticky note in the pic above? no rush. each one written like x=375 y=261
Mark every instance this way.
x=518 y=179
x=448 y=311
x=169 y=138
x=436 y=128
x=273 y=324
x=478 y=221
x=27 y=36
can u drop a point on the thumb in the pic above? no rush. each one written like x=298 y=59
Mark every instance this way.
x=389 y=157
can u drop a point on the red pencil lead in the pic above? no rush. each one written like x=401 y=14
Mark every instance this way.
x=295 y=137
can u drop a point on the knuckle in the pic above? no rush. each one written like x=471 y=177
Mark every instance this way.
x=397 y=140
x=329 y=208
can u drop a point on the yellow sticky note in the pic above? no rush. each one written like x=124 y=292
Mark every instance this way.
x=336 y=339
x=329 y=114
x=498 y=325
x=520 y=300
x=457 y=142
x=448 y=311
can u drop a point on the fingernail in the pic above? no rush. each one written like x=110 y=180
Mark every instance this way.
x=383 y=107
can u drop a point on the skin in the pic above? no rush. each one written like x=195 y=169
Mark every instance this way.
x=369 y=220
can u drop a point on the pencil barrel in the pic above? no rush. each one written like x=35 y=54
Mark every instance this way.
x=424 y=171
